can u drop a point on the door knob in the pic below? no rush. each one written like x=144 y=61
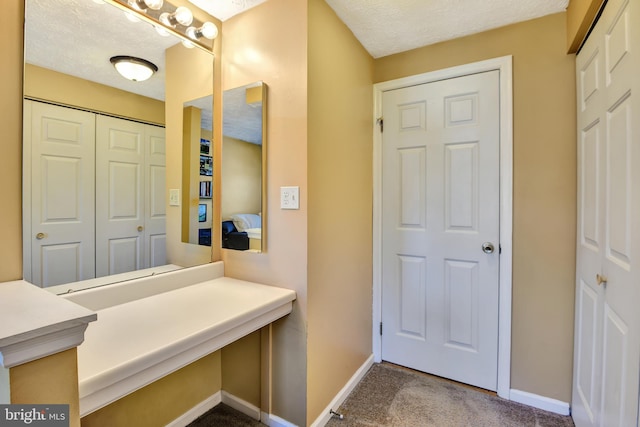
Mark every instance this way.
x=140 y=228
x=600 y=279
x=487 y=247
x=40 y=236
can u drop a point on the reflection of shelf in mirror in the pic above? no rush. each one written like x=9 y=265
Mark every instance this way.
x=205 y=189
x=205 y=147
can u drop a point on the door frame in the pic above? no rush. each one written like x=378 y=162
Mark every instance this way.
x=504 y=66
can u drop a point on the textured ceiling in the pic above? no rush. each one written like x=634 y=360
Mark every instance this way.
x=385 y=27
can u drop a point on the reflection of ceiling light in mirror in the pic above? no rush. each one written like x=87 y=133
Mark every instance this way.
x=161 y=31
x=131 y=17
x=208 y=31
x=182 y=15
x=98 y=1
x=187 y=44
x=132 y=68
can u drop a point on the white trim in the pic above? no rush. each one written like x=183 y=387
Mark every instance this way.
x=275 y=421
x=241 y=405
x=325 y=415
x=504 y=66
x=540 y=402
x=198 y=410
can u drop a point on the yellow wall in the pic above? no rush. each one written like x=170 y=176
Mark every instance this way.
x=340 y=190
x=162 y=401
x=544 y=195
x=43 y=84
x=11 y=42
x=241 y=177
x=50 y=380
x=269 y=43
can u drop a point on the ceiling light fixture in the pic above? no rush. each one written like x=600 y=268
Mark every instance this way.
x=132 y=68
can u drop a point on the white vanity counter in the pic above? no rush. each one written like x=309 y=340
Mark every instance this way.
x=137 y=342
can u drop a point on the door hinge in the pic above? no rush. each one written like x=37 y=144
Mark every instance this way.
x=380 y=121
x=380 y=328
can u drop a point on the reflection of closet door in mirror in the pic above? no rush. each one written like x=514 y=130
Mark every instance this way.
x=123 y=196
x=59 y=184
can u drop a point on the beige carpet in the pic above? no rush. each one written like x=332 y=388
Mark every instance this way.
x=390 y=395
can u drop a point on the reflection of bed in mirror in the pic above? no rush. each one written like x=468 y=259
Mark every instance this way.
x=242 y=232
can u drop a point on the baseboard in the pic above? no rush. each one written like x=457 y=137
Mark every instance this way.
x=200 y=409
x=325 y=415
x=540 y=402
x=241 y=405
x=275 y=421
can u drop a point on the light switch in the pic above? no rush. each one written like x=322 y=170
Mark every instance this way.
x=289 y=197
x=174 y=197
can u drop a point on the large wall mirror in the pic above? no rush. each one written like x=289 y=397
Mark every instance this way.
x=95 y=196
x=243 y=207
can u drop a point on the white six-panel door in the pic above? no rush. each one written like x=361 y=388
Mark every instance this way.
x=155 y=237
x=440 y=197
x=607 y=331
x=59 y=197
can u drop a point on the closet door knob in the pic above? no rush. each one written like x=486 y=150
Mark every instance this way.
x=140 y=228
x=600 y=279
x=40 y=236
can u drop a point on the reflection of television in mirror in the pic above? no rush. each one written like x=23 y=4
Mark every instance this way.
x=202 y=213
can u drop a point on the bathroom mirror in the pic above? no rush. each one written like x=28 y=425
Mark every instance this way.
x=244 y=167
x=68 y=44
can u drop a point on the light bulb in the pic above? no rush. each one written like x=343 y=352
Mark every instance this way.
x=183 y=15
x=187 y=44
x=209 y=30
x=154 y=4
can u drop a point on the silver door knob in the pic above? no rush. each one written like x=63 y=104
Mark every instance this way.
x=487 y=247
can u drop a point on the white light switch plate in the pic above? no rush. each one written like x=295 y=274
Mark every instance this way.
x=289 y=197
x=174 y=197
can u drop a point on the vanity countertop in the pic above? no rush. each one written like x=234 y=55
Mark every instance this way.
x=34 y=323
x=138 y=342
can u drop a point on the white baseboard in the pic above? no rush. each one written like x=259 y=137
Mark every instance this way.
x=241 y=405
x=193 y=413
x=275 y=421
x=325 y=416
x=540 y=402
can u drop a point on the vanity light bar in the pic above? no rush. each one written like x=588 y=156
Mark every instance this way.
x=167 y=18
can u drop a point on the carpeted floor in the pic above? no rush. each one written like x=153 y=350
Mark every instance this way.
x=225 y=416
x=390 y=395
x=394 y=396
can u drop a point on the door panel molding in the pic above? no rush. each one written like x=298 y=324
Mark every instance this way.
x=504 y=66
